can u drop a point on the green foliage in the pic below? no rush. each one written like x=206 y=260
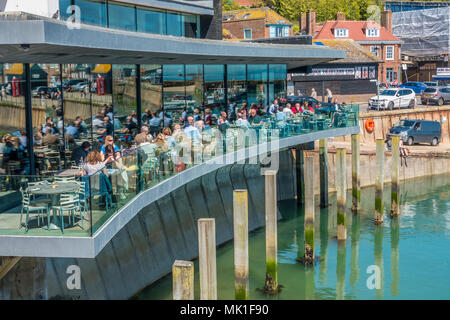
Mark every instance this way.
x=325 y=9
x=229 y=5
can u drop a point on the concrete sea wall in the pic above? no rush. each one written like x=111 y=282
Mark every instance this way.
x=166 y=230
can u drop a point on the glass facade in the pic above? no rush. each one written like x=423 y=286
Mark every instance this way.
x=128 y=17
x=214 y=96
x=237 y=83
x=257 y=75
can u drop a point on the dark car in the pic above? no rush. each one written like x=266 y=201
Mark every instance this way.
x=417 y=131
x=41 y=91
x=313 y=102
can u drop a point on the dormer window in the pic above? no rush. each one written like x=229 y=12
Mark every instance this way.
x=373 y=32
x=341 y=33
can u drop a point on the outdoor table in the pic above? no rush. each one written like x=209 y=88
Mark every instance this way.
x=69 y=173
x=46 y=188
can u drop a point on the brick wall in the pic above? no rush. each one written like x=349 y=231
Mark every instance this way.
x=236 y=28
x=394 y=64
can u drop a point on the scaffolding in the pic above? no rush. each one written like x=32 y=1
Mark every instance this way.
x=424 y=32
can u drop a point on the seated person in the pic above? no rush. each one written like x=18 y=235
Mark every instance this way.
x=49 y=138
x=108 y=127
x=94 y=163
x=253 y=118
x=80 y=153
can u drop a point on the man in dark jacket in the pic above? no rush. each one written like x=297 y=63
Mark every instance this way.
x=80 y=153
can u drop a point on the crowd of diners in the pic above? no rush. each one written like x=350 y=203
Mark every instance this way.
x=160 y=130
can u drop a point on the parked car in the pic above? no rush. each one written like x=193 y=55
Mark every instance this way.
x=79 y=86
x=40 y=91
x=417 y=87
x=417 y=131
x=70 y=83
x=313 y=102
x=431 y=83
x=393 y=98
x=438 y=95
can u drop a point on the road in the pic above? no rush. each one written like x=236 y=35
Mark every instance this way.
x=364 y=106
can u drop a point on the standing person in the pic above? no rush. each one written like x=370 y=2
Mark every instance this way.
x=298 y=92
x=329 y=95
x=274 y=107
x=313 y=93
x=208 y=118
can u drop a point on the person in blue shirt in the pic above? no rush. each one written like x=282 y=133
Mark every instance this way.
x=155 y=123
x=109 y=141
x=73 y=130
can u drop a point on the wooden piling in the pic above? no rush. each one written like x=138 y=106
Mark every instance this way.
x=271 y=284
x=207 y=259
x=341 y=185
x=309 y=211
x=300 y=176
x=323 y=160
x=395 y=177
x=379 y=181
x=356 y=182
x=240 y=225
x=183 y=280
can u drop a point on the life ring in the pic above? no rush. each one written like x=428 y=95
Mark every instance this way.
x=370 y=125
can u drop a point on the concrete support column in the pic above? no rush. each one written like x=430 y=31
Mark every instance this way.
x=341 y=192
x=356 y=179
x=240 y=225
x=271 y=231
x=183 y=280
x=309 y=211
x=379 y=181
x=323 y=159
x=395 y=177
x=207 y=259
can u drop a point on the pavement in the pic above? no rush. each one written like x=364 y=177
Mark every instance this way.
x=364 y=105
x=419 y=149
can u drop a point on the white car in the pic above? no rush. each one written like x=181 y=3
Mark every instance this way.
x=393 y=98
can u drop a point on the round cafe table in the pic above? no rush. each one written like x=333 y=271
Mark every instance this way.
x=60 y=188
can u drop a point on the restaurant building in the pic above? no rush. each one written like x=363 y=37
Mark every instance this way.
x=122 y=58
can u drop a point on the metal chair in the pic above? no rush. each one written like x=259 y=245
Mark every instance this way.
x=30 y=206
x=69 y=203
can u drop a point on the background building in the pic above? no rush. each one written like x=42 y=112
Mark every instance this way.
x=255 y=23
x=374 y=37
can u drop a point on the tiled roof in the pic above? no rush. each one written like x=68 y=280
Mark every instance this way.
x=270 y=16
x=356 y=31
x=353 y=51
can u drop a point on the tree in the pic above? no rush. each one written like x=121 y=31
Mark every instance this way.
x=229 y=5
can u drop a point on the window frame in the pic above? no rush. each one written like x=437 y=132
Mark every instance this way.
x=392 y=55
x=337 y=33
x=251 y=33
x=370 y=34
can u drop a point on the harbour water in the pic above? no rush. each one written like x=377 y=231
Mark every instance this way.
x=412 y=251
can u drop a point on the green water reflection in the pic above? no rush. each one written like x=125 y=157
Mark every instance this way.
x=412 y=251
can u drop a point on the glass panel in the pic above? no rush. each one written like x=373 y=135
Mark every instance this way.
x=13 y=144
x=151 y=94
x=151 y=21
x=277 y=81
x=174 y=96
x=194 y=89
x=122 y=17
x=189 y=25
x=77 y=92
x=214 y=87
x=92 y=12
x=257 y=88
x=125 y=116
x=174 y=24
x=237 y=85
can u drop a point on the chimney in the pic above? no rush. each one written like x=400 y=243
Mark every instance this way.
x=340 y=16
x=302 y=22
x=212 y=26
x=386 y=20
x=310 y=22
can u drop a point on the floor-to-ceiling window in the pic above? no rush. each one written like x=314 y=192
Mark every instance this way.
x=13 y=142
x=214 y=94
x=174 y=93
x=122 y=17
x=125 y=112
x=237 y=83
x=194 y=86
x=174 y=25
x=92 y=12
x=257 y=84
x=151 y=91
x=190 y=26
x=277 y=81
x=151 y=21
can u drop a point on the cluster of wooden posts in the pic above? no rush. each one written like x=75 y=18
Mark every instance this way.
x=183 y=271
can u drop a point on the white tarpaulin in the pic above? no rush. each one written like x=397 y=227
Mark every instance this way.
x=424 y=32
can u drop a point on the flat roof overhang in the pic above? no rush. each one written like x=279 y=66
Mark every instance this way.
x=52 y=41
